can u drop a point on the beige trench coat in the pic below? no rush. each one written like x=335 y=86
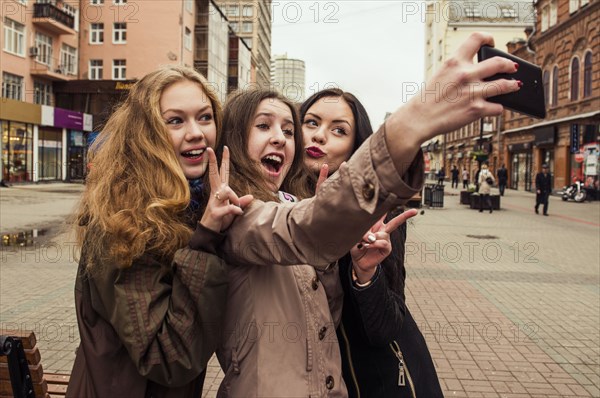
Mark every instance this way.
x=280 y=336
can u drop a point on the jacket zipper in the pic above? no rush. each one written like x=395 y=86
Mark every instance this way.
x=403 y=372
x=350 y=360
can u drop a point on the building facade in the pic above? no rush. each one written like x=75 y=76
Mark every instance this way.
x=40 y=48
x=566 y=45
x=288 y=76
x=66 y=64
x=448 y=23
x=251 y=20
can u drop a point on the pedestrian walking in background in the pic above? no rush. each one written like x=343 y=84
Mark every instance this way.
x=486 y=180
x=543 y=188
x=454 y=177
x=502 y=175
x=465 y=178
x=441 y=176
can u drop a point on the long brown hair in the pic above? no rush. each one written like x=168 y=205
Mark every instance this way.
x=245 y=175
x=136 y=192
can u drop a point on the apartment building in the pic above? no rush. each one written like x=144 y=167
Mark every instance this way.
x=251 y=20
x=82 y=56
x=566 y=44
x=447 y=24
x=40 y=47
x=288 y=76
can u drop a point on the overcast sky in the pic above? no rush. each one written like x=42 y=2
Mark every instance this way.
x=367 y=47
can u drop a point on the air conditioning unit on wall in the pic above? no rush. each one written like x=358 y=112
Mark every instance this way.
x=33 y=51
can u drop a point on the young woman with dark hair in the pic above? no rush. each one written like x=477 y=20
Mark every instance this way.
x=377 y=332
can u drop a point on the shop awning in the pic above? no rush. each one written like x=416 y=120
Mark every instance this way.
x=485 y=137
x=555 y=121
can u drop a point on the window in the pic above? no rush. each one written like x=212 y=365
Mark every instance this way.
x=587 y=75
x=575 y=79
x=555 y=86
x=509 y=13
x=553 y=12
x=574 y=5
x=248 y=10
x=68 y=59
x=248 y=42
x=233 y=10
x=187 y=39
x=234 y=26
x=545 y=17
x=247 y=27
x=120 y=32
x=96 y=2
x=96 y=33
x=42 y=93
x=96 y=69
x=12 y=86
x=546 y=79
x=14 y=37
x=44 y=45
x=189 y=5
x=119 y=2
x=119 y=69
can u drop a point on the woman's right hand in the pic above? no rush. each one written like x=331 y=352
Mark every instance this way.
x=455 y=96
x=223 y=204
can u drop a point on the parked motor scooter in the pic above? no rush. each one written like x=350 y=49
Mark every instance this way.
x=575 y=191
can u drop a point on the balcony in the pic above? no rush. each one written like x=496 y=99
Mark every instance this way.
x=50 y=72
x=53 y=19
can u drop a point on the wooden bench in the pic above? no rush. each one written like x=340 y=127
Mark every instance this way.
x=46 y=385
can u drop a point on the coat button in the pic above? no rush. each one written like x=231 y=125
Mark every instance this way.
x=368 y=191
x=322 y=333
x=329 y=382
x=315 y=283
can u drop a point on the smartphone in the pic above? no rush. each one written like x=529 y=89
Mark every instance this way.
x=530 y=98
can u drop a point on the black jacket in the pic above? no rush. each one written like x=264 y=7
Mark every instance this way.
x=502 y=175
x=543 y=183
x=373 y=318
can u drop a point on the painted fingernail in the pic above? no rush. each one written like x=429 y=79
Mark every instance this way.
x=519 y=83
x=516 y=66
x=371 y=238
x=359 y=246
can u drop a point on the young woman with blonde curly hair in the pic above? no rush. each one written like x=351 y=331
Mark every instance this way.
x=148 y=308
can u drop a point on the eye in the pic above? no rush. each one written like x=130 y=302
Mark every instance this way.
x=311 y=122
x=174 y=120
x=206 y=117
x=288 y=132
x=340 y=131
x=262 y=126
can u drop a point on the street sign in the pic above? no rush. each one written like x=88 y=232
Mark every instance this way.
x=574 y=138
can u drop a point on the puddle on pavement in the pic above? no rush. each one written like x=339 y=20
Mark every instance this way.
x=22 y=239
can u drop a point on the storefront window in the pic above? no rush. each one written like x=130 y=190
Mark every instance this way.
x=521 y=173
x=76 y=169
x=50 y=154
x=17 y=151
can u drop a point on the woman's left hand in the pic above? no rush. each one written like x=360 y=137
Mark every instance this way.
x=376 y=246
x=223 y=204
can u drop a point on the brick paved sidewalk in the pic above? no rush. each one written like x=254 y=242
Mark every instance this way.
x=509 y=302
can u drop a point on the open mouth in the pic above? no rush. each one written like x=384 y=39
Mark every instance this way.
x=273 y=163
x=193 y=154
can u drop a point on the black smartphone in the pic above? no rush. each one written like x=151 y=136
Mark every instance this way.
x=530 y=98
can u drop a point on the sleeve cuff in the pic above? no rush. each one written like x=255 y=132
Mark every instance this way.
x=205 y=239
x=357 y=287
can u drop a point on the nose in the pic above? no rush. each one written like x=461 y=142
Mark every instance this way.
x=278 y=138
x=319 y=136
x=194 y=132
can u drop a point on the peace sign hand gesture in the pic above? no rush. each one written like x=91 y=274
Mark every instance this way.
x=376 y=246
x=223 y=204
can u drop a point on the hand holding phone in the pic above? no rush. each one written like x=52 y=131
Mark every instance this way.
x=530 y=98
